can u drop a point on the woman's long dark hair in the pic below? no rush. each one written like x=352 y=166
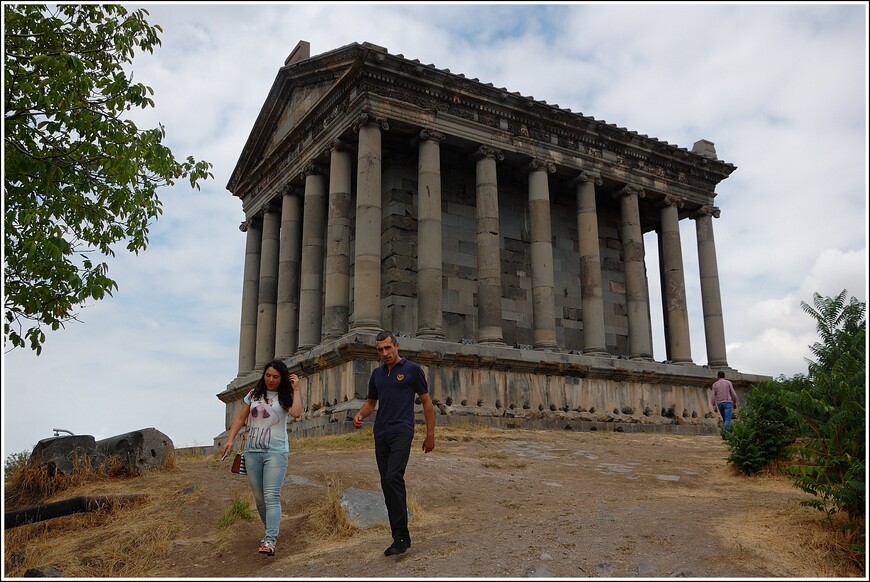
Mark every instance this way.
x=285 y=391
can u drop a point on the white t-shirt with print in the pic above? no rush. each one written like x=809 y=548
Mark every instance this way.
x=267 y=424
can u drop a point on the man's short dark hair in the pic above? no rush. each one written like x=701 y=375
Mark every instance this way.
x=721 y=374
x=385 y=335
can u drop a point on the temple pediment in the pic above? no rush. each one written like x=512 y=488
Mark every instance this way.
x=298 y=90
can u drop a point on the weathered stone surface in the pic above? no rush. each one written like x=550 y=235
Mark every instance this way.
x=141 y=450
x=62 y=454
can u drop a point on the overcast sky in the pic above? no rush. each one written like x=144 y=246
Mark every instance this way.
x=780 y=90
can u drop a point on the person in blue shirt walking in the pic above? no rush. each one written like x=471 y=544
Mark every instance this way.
x=393 y=387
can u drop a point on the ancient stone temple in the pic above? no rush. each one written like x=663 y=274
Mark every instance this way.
x=498 y=236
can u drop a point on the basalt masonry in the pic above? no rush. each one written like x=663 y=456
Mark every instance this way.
x=498 y=236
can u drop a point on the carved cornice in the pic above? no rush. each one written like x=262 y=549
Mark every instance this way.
x=613 y=150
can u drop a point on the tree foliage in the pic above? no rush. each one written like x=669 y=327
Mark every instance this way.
x=831 y=409
x=79 y=176
x=817 y=422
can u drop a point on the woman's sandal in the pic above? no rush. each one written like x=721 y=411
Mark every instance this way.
x=267 y=548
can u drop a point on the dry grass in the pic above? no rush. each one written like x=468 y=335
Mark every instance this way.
x=128 y=541
x=34 y=483
x=135 y=540
x=327 y=518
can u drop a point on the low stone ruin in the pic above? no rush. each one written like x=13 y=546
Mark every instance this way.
x=138 y=451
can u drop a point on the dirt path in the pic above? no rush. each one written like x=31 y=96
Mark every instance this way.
x=517 y=503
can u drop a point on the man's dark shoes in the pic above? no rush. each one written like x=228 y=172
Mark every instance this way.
x=398 y=547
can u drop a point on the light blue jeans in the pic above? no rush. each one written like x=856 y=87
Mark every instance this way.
x=725 y=409
x=266 y=473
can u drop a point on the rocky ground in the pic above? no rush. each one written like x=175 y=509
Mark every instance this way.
x=515 y=503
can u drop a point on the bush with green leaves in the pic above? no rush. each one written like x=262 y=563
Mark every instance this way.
x=764 y=429
x=831 y=411
x=14 y=463
x=818 y=421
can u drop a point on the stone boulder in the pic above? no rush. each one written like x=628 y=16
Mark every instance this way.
x=62 y=454
x=141 y=450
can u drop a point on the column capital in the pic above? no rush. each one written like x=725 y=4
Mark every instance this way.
x=367 y=118
x=432 y=135
x=706 y=210
x=485 y=151
x=270 y=206
x=586 y=176
x=251 y=222
x=671 y=200
x=291 y=189
x=340 y=146
x=537 y=164
x=628 y=190
x=312 y=169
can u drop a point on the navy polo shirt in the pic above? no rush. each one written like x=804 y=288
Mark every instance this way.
x=395 y=390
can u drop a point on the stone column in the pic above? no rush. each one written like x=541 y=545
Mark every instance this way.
x=250 y=292
x=367 y=245
x=541 y=236
x=311 y=281
x=714 y=327
x=268 y=287
x=289 y=252
x=594 y=341
x=337 y=294
x=489 y=330
x=429 y=262
x=636 y=292
x=674 y=284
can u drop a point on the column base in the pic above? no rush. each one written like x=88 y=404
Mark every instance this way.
x=430 y=333
x=598 y=353
x=491 y=336
x=547 y=347
x=366 y=326
x=683 y=362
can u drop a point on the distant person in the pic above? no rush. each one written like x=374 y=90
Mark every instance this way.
x=724 y=398
x=265 y=410
x=393 y=387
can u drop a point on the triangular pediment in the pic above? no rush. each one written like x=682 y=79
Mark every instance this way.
x=302 y=99
x=298 y=90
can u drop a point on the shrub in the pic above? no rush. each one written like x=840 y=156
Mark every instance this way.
x=764 y=429
x=831 y=412
x=14 y=463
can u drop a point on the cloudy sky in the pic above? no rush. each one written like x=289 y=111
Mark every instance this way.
x=780 y=90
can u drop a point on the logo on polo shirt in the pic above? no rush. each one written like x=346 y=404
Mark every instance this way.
x=400 y=377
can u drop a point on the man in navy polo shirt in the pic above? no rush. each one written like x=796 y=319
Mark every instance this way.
x=393 y=387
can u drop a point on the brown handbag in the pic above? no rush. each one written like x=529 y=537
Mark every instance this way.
x=239 y=464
